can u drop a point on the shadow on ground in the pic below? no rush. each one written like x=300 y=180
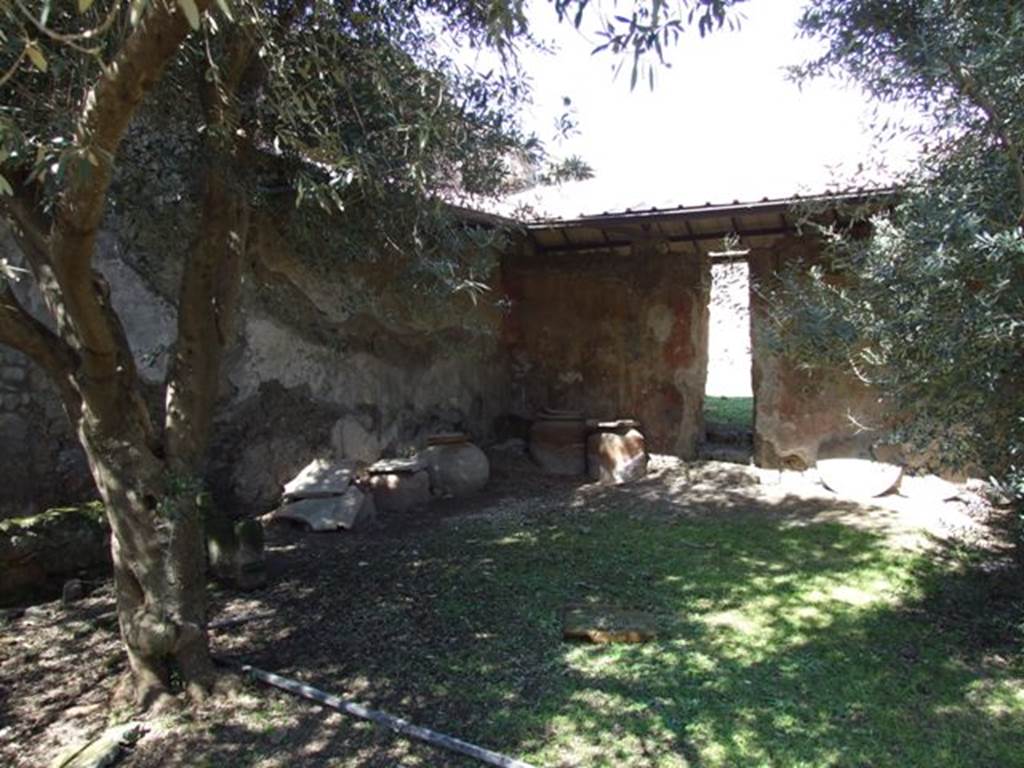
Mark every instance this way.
x=792 y=632
x=790 y=635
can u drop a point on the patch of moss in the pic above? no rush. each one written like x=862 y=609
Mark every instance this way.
x=93 y=511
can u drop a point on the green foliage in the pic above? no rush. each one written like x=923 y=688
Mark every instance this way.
x=91 y=512
x=734 y=411
x=930 y=308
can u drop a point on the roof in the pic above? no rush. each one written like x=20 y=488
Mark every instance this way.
x=694 y=228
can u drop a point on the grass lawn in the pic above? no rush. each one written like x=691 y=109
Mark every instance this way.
x=735 y=411
x=783 y=642
x=788 y=636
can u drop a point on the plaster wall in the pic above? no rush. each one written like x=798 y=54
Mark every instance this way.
x=321 y=343
x=613 y=335
x=799 y=415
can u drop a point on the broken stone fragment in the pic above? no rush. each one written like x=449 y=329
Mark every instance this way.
x=234 y=550
x=858 y=478
x=927 y=488
x=400 y=491
x=616 y=453
x=602 y=624
x=74 y=590
x=320 y=478
x=392 y=466
x=456 y=468
x=101 y=751
x=351 y=509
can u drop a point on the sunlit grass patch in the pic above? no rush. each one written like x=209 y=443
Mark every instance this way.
x=734 y=411
x=812 y=645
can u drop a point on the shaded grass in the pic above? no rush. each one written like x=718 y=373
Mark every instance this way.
x=781 y=642
x=734 y=411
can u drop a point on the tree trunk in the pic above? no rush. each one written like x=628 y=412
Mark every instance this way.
x=159 y=563
x=150 y=495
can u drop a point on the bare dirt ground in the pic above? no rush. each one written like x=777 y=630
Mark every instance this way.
x=59 y=665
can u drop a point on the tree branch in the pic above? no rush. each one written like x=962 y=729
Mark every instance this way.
x=31 y=227
x=211 y=281
x=18 y=329
x=107 y=110
x=970 y=87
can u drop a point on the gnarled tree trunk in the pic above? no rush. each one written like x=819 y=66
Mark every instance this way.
x=146 y=476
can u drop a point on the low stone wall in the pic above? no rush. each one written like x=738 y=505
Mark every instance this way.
x=612 y=335
x=39 y=553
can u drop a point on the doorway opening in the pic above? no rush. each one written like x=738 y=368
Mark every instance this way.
x=728 y=391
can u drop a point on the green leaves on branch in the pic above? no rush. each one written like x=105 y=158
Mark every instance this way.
x=930 y=308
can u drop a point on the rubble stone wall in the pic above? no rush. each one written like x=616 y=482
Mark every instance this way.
x=613 y=335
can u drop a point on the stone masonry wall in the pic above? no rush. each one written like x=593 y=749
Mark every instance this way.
x=616 y=336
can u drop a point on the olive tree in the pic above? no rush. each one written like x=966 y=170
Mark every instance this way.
x=350 y=104
x=930 y=307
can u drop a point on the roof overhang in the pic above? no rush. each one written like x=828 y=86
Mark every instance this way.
x=699 y=228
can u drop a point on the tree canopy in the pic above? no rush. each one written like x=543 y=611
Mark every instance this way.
x=930 y=309
x=119 y=112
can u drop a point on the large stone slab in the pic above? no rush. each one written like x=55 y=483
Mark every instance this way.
x=605 y=624
x=350 y=510
x=320 y=478
x=858 y=478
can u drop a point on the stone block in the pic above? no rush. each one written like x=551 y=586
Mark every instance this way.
x=250 y=561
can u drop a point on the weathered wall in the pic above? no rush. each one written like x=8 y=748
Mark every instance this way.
x=613 y=335
x=799 y=415
x=330 y=356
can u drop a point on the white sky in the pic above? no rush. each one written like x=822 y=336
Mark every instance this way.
x=722 y=123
